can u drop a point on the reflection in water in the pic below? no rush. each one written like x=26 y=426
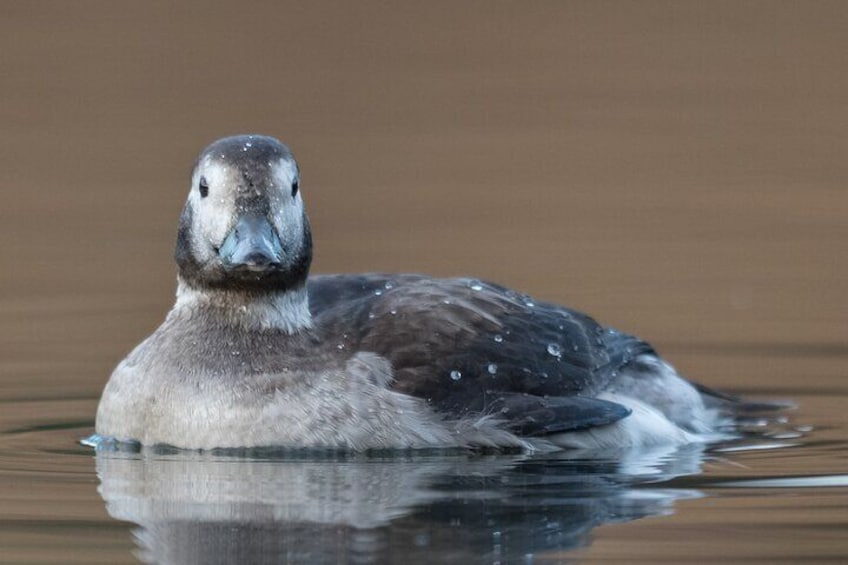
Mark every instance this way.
x=199 y=508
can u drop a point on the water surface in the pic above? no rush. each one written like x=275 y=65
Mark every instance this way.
x=732 y=500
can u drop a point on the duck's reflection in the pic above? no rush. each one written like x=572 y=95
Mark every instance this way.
x=194 y=508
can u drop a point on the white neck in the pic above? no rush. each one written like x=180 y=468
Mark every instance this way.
x=287 y=310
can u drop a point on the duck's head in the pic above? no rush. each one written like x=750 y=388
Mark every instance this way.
x=243 y=226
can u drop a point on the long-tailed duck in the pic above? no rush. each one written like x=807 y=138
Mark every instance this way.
x=256 y=353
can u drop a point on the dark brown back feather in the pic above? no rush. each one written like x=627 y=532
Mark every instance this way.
x=470 y=347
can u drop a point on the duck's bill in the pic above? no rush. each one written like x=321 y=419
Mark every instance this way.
x=252 y=245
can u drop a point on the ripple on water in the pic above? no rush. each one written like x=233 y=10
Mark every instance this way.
x=818 y=481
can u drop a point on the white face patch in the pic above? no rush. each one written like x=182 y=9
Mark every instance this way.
x=287 y=210
x=214 y=215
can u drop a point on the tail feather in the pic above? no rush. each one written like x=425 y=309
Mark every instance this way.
x=739 y=406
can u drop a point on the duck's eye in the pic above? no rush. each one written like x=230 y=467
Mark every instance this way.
x=295 y=186
x=203 y=186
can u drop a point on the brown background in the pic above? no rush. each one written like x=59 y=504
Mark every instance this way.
x=675 y=169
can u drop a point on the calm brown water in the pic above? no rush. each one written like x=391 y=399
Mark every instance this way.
x=678 y=170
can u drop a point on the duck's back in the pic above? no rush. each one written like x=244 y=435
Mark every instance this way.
x=471 y=347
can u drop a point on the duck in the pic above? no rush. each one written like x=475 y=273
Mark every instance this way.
x=257 y=353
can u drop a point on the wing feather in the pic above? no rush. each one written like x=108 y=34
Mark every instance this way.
x=470 y=348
